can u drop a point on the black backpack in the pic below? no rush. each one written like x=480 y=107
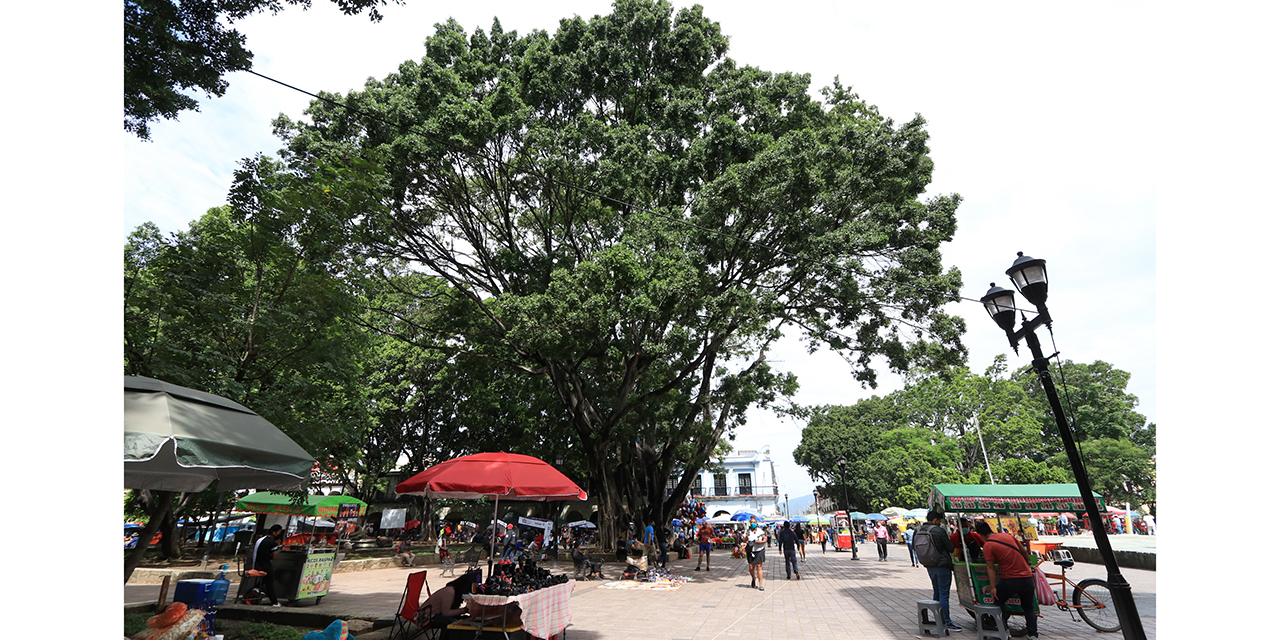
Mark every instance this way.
x=925 y=547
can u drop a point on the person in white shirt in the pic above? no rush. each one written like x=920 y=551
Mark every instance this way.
x=755 y=554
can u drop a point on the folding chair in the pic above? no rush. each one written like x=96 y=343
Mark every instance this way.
x=405 y=625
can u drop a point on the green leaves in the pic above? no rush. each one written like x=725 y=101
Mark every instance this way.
x=958 y=427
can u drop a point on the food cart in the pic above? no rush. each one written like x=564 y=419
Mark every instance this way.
x=1013 y=503
x=844 y=532
x=304 y=565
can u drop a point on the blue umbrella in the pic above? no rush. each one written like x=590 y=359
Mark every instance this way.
x=677 y=523
x=857 y=515
x=743 y=516
x=875 y=516
x=800 y=519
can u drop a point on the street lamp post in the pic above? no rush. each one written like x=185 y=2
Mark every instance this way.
x=816 y=510
x=786 y=505
x=555 y=521
x=853 y=537
x=1032 y=281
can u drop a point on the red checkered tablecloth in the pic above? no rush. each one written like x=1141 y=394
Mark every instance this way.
x=546 y=611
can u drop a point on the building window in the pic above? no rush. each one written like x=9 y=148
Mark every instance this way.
x=696 y=487
x=744 y=484
x=722 y=487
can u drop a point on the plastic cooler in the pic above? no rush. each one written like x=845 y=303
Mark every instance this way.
x=194 y=592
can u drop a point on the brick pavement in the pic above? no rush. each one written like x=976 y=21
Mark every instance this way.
x=836 y=599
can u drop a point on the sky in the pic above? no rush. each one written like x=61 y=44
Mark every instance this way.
x=1073 y=131
x=1041 y=119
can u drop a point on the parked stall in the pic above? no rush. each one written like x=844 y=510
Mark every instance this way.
x=1010 y=506
x=304 y=566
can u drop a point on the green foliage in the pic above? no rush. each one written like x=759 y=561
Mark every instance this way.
x=626 y=218
x=248 y=304
x=262 y=631
x=1120 y=470
x=134 y=623
x=173 y=47
x=928 y=433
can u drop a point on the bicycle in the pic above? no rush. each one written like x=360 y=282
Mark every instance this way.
x=1091 y=598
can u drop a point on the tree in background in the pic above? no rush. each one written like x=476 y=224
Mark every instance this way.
x=253 y=303
x=631 y=218
x=172 y=47
x=1117 y=444
x=899 y=445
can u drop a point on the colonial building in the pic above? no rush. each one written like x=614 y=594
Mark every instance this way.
x=741 y=481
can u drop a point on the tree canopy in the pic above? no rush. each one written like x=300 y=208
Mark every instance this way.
x=172 y=47
x=955 y=426
x=629 y=217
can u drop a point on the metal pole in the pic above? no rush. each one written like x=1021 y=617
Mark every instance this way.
x=1121 y=592
x=848 y=514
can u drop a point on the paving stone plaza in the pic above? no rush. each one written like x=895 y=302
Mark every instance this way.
x=836 y=598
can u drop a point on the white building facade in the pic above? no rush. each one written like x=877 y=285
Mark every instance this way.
x=743 y=481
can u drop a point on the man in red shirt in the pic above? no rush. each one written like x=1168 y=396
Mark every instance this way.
x=1014 y=577
x=705 y=534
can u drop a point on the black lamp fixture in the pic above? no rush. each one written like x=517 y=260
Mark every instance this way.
x=1032 y=281
x=555 y=520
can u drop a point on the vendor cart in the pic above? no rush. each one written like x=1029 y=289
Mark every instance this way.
x=303 y=570
x=844 y=532
x=1011 y=504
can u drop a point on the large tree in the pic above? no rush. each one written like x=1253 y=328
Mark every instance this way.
x=623 y=212
x=254 y=304
x=172 y=47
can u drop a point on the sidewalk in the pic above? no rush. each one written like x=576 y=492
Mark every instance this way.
x=836 y=599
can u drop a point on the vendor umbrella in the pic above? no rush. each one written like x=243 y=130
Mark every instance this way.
x=874 y=516
x=583 y=524
x=180 y=439
x=498 y=475
x=743 y=516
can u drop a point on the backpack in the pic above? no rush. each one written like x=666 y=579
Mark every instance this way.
x=923 y=544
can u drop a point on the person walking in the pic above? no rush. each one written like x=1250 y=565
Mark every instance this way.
x=1014 y=578
x=788 y=540
x=649 y=546
x=881 y=534
x=755 y=554
x=801 y=538
x=264 y=552
x=705 y=534
x=822 y=538
x=909 y=535
x=940 y=565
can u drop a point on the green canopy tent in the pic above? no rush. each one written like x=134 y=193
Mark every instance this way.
x=1008 y=498
x=283 y=504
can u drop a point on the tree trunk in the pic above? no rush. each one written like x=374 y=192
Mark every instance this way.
x=170 y=546
x=159 y=506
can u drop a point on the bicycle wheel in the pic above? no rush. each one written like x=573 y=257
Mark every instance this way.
x=1093 y=596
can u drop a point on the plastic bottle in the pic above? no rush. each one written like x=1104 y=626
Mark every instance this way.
x=221 y=585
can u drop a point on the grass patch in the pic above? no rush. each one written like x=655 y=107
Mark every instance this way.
x=260 y=631
x=134 y=622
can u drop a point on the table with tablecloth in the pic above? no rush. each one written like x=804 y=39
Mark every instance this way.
x=545 y=612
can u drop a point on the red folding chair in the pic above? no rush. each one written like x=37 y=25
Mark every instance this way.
x=406 y=625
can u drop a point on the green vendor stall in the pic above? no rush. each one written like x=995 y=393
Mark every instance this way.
x=303 y=569
x=1013 y=500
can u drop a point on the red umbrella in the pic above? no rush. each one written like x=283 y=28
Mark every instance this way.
x=498 y=474
x=510 y=476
